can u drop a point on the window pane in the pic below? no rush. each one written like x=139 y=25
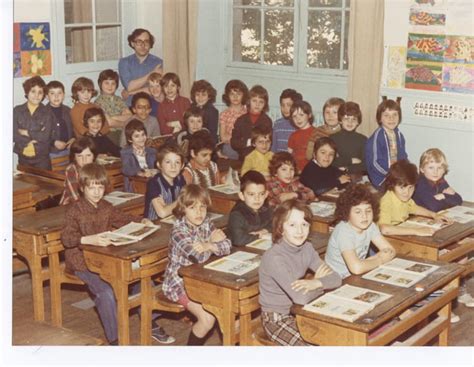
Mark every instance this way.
x=79 y=47
x=106 y=11
x=345 y=61
x=247 y=2
x=325 y=3
x=108 y=41
x=278 y=40
x=246 y=35
x=77 y=11
x=279 y=2
x=324 y=39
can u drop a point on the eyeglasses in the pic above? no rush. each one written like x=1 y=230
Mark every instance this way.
x=142 y=43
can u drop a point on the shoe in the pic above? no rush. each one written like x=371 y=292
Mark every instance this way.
x=159 y=334
x=114 y=342
x=454 y=318
x=466 y=299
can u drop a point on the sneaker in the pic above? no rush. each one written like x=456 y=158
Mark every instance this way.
x=466 y=299
x=159 y=334
x=454 y=318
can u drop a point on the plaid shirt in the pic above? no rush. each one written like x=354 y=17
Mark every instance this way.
x=276 y=187
x=183 y=236
x=71 y=185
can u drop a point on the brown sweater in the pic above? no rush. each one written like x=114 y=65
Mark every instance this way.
x=319 y=132
x=83 y=219
x=77 y=117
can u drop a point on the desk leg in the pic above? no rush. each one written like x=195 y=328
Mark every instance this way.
x=55 y=289
x=146 y=311
x=37 y=287
x=121 y=295
x=225 y=317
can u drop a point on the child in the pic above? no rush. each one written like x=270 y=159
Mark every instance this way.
x=137 y=159
x=432 y=190
x=203 y=95
x=283 y=128
x=93 y=121
x=331 y=124
x=387 y=144
x=82 y=152
x=171 y=111
x=235 y=97
x=162 y=189
x=257 y=106
x=251 y=217
x=357 y=211
x=154 y=88
x=64 y=133
x=85 y=219
x=115 y=109
x=282 y=273
x=193 y=237
x=350 y=144
x=396 y=204
x=193 y=121
x=82 y=91
x=141 y=102
x=201 y=170
x=282 y=184
x=259 y=159
x=302 y=117
x=33 y=130
x=319 y=174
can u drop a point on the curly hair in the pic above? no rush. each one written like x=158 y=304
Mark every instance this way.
x=401 y=173
x=278 y=160
x=188 y=196
x=283 y=211
x=354 y=195
x=235 y=84
x=203 y=85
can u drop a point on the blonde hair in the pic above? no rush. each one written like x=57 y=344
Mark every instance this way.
x=436 y=155
x=189 y=195
x=154 y=77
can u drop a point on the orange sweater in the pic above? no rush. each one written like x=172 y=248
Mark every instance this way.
x=77 y=116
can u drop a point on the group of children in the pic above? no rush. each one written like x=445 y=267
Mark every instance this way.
x=285 y=166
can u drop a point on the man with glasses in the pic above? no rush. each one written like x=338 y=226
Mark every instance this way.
x=135 y=69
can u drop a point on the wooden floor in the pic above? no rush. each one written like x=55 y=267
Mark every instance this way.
x=87 y=322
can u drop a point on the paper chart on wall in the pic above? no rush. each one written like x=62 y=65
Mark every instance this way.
x=395 y=68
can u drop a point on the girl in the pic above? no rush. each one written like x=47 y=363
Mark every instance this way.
x=137 y=159
x=319 y=175
x=201 y=170
x=282 y=272
x=432 y=190
x=193 y=239
x=301 y=115
x=203 y=96
x=282 y=184
x=356 y=211
x=396 y=204
x=235 y=97
x=387 y=144
x=193 y=121
x=82 y=152
x=170 y=113
x=94 y=119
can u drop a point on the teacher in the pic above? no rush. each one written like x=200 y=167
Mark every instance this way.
x=135 y=69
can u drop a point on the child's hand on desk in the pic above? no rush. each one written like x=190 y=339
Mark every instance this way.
x=441 y=218
x=218 y=235
x=262 y=234
x=449 y=191
x=440 y=197
x=287 y=196
x=386 y=255
x=322 y=271
x=344 y=179
x=201 y=247
x=424 y=232
x=147 y=222
x=96 y=240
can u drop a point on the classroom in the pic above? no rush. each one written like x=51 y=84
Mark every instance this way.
x=241 y=173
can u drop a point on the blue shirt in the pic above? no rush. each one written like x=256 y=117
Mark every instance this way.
x=282 y=129
x=158 y=186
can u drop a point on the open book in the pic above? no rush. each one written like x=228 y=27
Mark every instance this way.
x=238 y=263
x=107 y=160
x=322 y=208
x=130 y=233
x=226 y=188
x=171 y=219
x=347 y=302
x=460 y=214
x=120 y=197
x=260 y=244
x=400 y=272
x=420 y=222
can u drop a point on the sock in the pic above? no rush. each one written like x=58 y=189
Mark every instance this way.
x=194 y=340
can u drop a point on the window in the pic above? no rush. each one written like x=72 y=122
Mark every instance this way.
x=291 y=35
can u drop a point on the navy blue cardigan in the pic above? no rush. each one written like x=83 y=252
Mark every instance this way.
x=130 y=165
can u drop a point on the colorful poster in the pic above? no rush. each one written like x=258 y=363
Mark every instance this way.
x=34 y=36
x=458 y=78
x=396 y=65
x=422 y=18
x=459 y=49
x=424 y=75
x=428 y=47
x=35 y=63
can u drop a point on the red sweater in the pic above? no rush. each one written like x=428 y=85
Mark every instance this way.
x=297 y=143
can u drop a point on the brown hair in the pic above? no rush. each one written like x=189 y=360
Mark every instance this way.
x=33 y=82
x=401 y=173
x=136 y=33
x=260 y=130
x=324 y=141
x=188 y=196
x=170 y=77
x=278 y=160
x=92 y=173
x=203 y=85
x=252 y=177
x=80 y=84
x=140 y=95
x=292 y=94
x=108 y=74
x=281 y=215
x=91 y=112
x=200 y=140
x=168 y=148
x=354 y=195
x=237 y=85
x=193 y=111
x=54 y=84
x=261 y=92
x=81 y=144
x=349 y=109
x=388 y=104
x=154 y=77
x=303 y=106
x=434 y=154
x=132 y=126
x=333 y=101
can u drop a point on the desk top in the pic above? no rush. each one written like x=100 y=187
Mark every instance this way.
x=221 y=195
x=21 y=187
x=402 y=298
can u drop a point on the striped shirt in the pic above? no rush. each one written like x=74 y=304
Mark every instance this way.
x=158 y=186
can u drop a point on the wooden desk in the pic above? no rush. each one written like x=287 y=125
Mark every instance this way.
x=139 y=184
x=34 y=232
x=42 y=189
x=23 y=195
x=222 y=203
x=324 y=330
x=322 y=224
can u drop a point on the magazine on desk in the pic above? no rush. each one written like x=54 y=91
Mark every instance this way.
x=322 y=208
x=420 y=222
x=347 y=302
x=238 y=263
x=130 y=233
x=226 y=189
x=400 y=272
x=120 y=197
x=260 y=244
x=171 y=219
x=460 y=214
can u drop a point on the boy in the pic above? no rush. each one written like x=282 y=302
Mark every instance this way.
x=115 y=109
x=141 y=107
x=154 y=88
x=33 y=130
x=203 y=96
x=251 y=217
x=283 y=128
x=85 y=219
x=162 y=189
x=259 y=159
x=193 y=122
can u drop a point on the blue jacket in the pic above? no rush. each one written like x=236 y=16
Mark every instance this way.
x=130 y=165
x=377 y=154
x=426 y=190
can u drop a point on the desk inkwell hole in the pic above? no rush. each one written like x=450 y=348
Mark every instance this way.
x=240 y=280
x=367 y=320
